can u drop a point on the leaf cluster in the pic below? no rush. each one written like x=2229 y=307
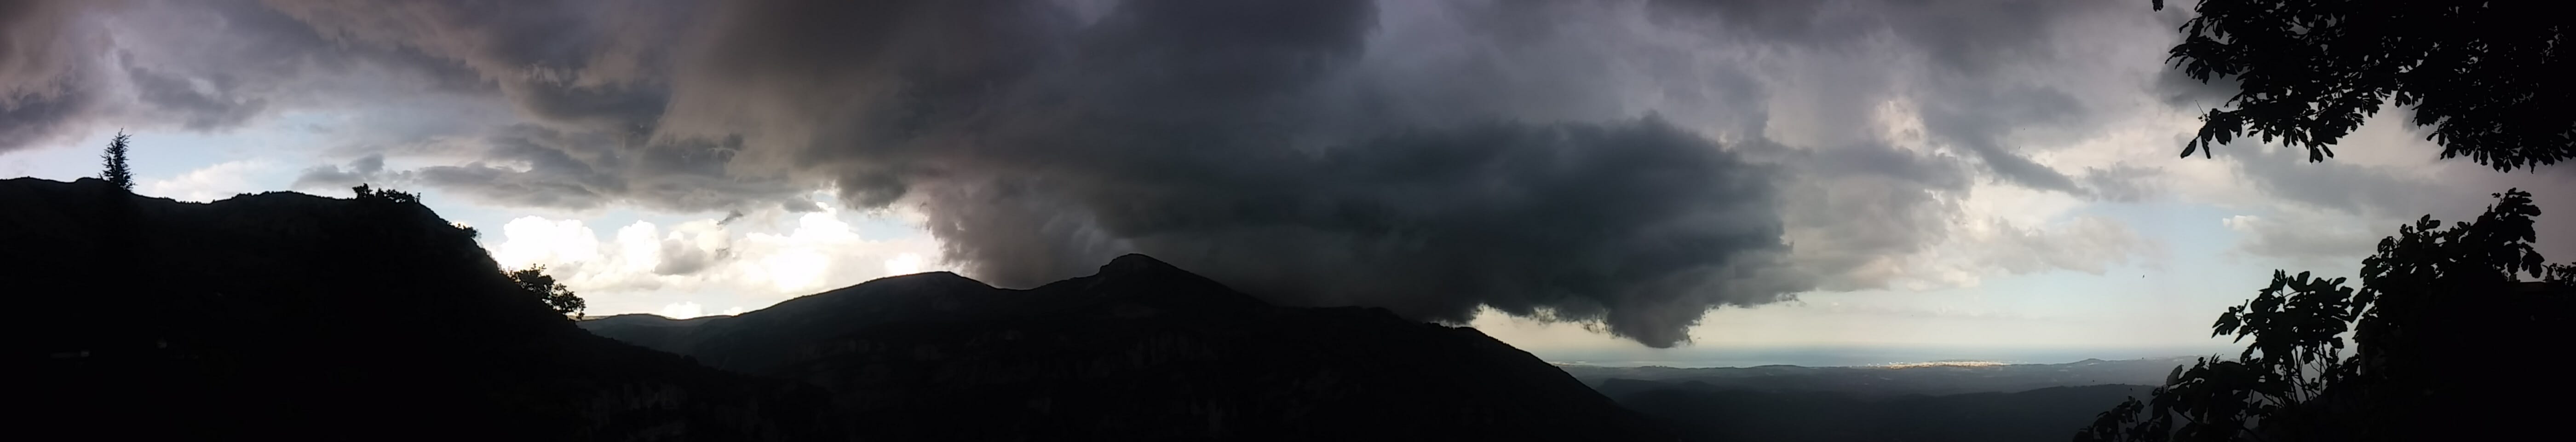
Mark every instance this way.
x=2491 y=78
x=2299 y=378
x=374 y=194
x=537 y=283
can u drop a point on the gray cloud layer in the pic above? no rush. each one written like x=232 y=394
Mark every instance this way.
x=43 y=50
x=1631 y=162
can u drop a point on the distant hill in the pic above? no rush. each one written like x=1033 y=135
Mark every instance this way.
x=297 y=317
x=1141 y=350
x=2016 y=402
x=1710 y=413
x=1890 y=381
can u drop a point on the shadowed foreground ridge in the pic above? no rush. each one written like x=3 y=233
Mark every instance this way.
x=291 y=316
x=1140 y=350
x=1711 y=413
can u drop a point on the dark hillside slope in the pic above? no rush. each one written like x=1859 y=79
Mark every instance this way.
x=1141 y=350
x=1711 y=413
x=291 y=316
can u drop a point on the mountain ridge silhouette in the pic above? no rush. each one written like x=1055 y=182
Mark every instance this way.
x=1186 y=356
x=284 y=315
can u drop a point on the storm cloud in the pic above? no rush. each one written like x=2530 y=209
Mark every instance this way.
x=46 y=48
x=1631 y=163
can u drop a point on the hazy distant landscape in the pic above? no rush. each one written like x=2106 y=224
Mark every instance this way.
x=1936 y=379
x=1956 y=401
x=1860 y=356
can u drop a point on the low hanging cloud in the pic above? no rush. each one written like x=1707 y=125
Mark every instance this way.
x=1632 y=163
x=46 y=50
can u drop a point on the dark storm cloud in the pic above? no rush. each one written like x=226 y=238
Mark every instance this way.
x=1995 y=86
x=1977 y=123
x=368 y=170
x=578 y=67
x=1556 y=160
x=1875 y=203
x=1637 y=223
x=1973 y=89
x=200 y=108
x=30 y=117
x=575 y=62
x=208 y=66
x=44 y=50
x=1263 y=143
x=536 y=166
x=592 y=76
x=1238 y=139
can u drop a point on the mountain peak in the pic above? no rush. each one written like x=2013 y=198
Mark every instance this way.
x=1143 y=349
x=1135 y=277
x=1136 y=263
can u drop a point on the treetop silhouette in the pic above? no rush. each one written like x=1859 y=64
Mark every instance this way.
x=116 y=171
x=2432 y=302
x=2491 y=78
x=557 y=296
x=366 y=193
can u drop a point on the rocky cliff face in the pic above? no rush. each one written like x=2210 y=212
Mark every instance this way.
x=1140 y=350
x=292 y=316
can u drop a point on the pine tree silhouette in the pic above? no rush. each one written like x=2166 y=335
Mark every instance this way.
x=117 y=172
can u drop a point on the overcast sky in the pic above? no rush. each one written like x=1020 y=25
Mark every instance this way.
x=1570 y=176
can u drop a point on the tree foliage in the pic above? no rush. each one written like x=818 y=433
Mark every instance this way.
x=385 y=195
x=2431 y=299
x=113 y=165
x=535 y=281
x=2492 y=78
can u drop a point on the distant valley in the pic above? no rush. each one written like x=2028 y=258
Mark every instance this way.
x=1955 y=402
x=1895 y=381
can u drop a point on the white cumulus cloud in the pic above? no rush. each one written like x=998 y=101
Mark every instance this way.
x=754 y=260
x=215 y=182
x=683 y=310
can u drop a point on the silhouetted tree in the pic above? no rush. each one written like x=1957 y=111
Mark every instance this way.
x=2431 y=301
x=387 y=195
x=561 y=298
x=2492 y=78
x=116 y=171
